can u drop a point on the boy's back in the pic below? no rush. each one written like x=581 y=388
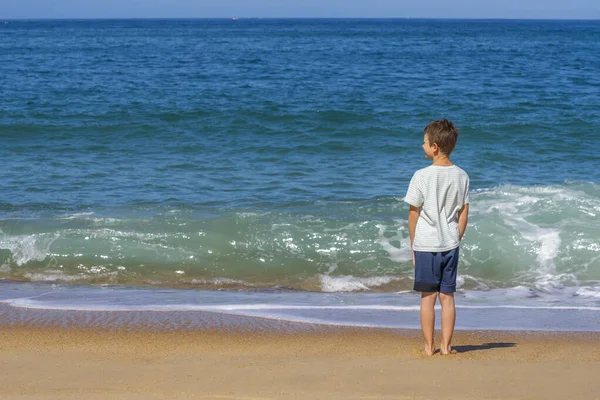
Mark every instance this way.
x=441 y=192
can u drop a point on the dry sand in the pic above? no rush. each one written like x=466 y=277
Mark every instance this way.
x=75 y=363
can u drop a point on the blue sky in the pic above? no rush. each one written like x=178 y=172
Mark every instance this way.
x=573 y=9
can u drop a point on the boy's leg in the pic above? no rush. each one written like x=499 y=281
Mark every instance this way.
x=447 y=289
x=448 y=321
x=428 y=319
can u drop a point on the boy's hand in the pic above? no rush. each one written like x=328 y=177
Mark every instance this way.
x=463 y=220
x=413 y=216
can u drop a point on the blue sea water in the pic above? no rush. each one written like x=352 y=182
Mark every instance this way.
x=264 y=154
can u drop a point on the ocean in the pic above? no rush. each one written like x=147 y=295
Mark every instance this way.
x=258 y=166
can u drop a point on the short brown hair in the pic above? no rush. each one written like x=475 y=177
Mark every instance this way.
x=443 y=133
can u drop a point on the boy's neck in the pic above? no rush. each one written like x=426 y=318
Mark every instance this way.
x=441 y=160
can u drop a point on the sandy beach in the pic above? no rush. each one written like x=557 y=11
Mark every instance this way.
x=340 y=363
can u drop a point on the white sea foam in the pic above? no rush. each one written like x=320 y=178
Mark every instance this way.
x=589 y=292
x=461 y=279
x=397 y=254
x=53 y=276
x=90 y=216
x=530 y=216
x=220 y=281
x=82 y=215
x=348 y=283
x=27 y=248
x=40 y=304
x=57 y=275
x=586 y=244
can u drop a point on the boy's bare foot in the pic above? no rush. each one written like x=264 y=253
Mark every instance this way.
x=428 y=350
x=447 y=351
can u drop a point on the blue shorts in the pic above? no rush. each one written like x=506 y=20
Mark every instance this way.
x=436 y=272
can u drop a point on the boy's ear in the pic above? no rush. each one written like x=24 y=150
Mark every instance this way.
x=435 y=147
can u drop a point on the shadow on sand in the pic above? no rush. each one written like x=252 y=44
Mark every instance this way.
x=485 y=346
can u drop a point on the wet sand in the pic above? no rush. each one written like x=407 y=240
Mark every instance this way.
x=97 y=363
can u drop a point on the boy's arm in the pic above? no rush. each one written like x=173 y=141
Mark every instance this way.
x=413 y=217
x=463 y=219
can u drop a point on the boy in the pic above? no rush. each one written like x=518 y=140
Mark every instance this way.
x=438 y=196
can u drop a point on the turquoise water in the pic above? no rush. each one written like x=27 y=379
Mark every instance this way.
x=274 y=154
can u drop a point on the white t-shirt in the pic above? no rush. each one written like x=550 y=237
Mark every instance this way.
x=441 y=192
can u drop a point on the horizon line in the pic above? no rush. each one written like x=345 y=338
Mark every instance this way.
x=295 y=18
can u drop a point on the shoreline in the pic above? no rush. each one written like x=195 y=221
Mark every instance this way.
x=173 y=309
x=175 y=320
x=277 y=360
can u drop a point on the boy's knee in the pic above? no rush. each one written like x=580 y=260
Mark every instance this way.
x=429 y=298
x=446 y=298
